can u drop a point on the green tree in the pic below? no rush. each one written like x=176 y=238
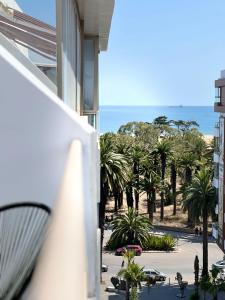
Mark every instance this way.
x=199 y=198
x=161 y=120
x=136 y=155
x=212 y=284
x=188 y=162
x=130 y=228
x=133 y=274
x=149 y=184
x=173 y=181
x=114 y=171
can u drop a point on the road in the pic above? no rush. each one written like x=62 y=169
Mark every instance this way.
x=182 y=260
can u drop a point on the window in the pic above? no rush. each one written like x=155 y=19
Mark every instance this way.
x=90 y=104
x=218 y=94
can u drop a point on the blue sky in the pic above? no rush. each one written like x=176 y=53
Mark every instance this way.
x=160 y=52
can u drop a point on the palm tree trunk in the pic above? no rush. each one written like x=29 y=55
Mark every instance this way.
x=174 y=186
x=205 y=242
x=127 y=290
x=129 y=195
x=188 y=179
x=163 y=169
x=151 y=206
x=116 y=203
x=120 y=199
x=162 y=207
x=136 y=191
x=154 y=199
x=102 y=204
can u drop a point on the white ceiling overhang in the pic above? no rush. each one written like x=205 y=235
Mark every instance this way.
x=97 y=16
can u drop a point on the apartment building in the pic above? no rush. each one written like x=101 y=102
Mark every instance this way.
x=49 y=162
x=219 y=107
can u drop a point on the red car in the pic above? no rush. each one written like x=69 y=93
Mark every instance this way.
x=136 y=248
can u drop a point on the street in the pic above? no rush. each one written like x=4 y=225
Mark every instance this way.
x=181 y=260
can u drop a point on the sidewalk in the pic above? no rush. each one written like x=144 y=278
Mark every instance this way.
x=159 y=292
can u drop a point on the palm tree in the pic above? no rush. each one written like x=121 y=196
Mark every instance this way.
x=133 y=274
x=211 y=284
x=149 y=184
x=199 y=197
x=113 y=173
x=188 y=161
x=136 y=155
x=163 y=148
x=173 y=180
x=130 y=228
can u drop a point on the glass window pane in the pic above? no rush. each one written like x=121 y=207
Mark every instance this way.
x=89 y=74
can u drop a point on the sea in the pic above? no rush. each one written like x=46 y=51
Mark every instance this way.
x=112 y=117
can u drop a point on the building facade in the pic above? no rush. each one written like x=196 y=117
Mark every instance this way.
x=219 y=107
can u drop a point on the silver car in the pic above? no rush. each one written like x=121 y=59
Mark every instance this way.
x=219 y=264
x=153 y=273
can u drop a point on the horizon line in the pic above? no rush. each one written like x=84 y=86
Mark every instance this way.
x=169 y=105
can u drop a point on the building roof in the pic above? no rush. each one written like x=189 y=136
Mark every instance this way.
x=97 y=16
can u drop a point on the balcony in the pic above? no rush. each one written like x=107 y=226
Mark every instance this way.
x=49 y=156
x=218 y=105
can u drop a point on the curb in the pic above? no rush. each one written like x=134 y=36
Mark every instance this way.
x=177 y=229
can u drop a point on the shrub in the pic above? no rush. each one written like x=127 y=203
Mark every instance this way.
x=160 y=243
x=163 y=243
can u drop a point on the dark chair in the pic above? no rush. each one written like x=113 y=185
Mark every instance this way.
x=115 y=282
x=22 y=231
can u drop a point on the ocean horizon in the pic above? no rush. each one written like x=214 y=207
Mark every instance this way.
x=113 y=116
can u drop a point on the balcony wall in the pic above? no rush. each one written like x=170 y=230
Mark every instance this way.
x=36 y=132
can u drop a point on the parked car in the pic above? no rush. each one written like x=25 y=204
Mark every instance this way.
x=219 y=264
x=222 y=274
x=153 y=273
x=104 y=268
x=136 y=248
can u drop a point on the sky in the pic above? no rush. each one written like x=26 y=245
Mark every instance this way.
x=160 y=52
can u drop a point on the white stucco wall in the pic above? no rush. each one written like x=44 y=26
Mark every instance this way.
x=36 y=131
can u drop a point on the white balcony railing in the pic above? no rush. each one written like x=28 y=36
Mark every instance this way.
x=40 y=162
